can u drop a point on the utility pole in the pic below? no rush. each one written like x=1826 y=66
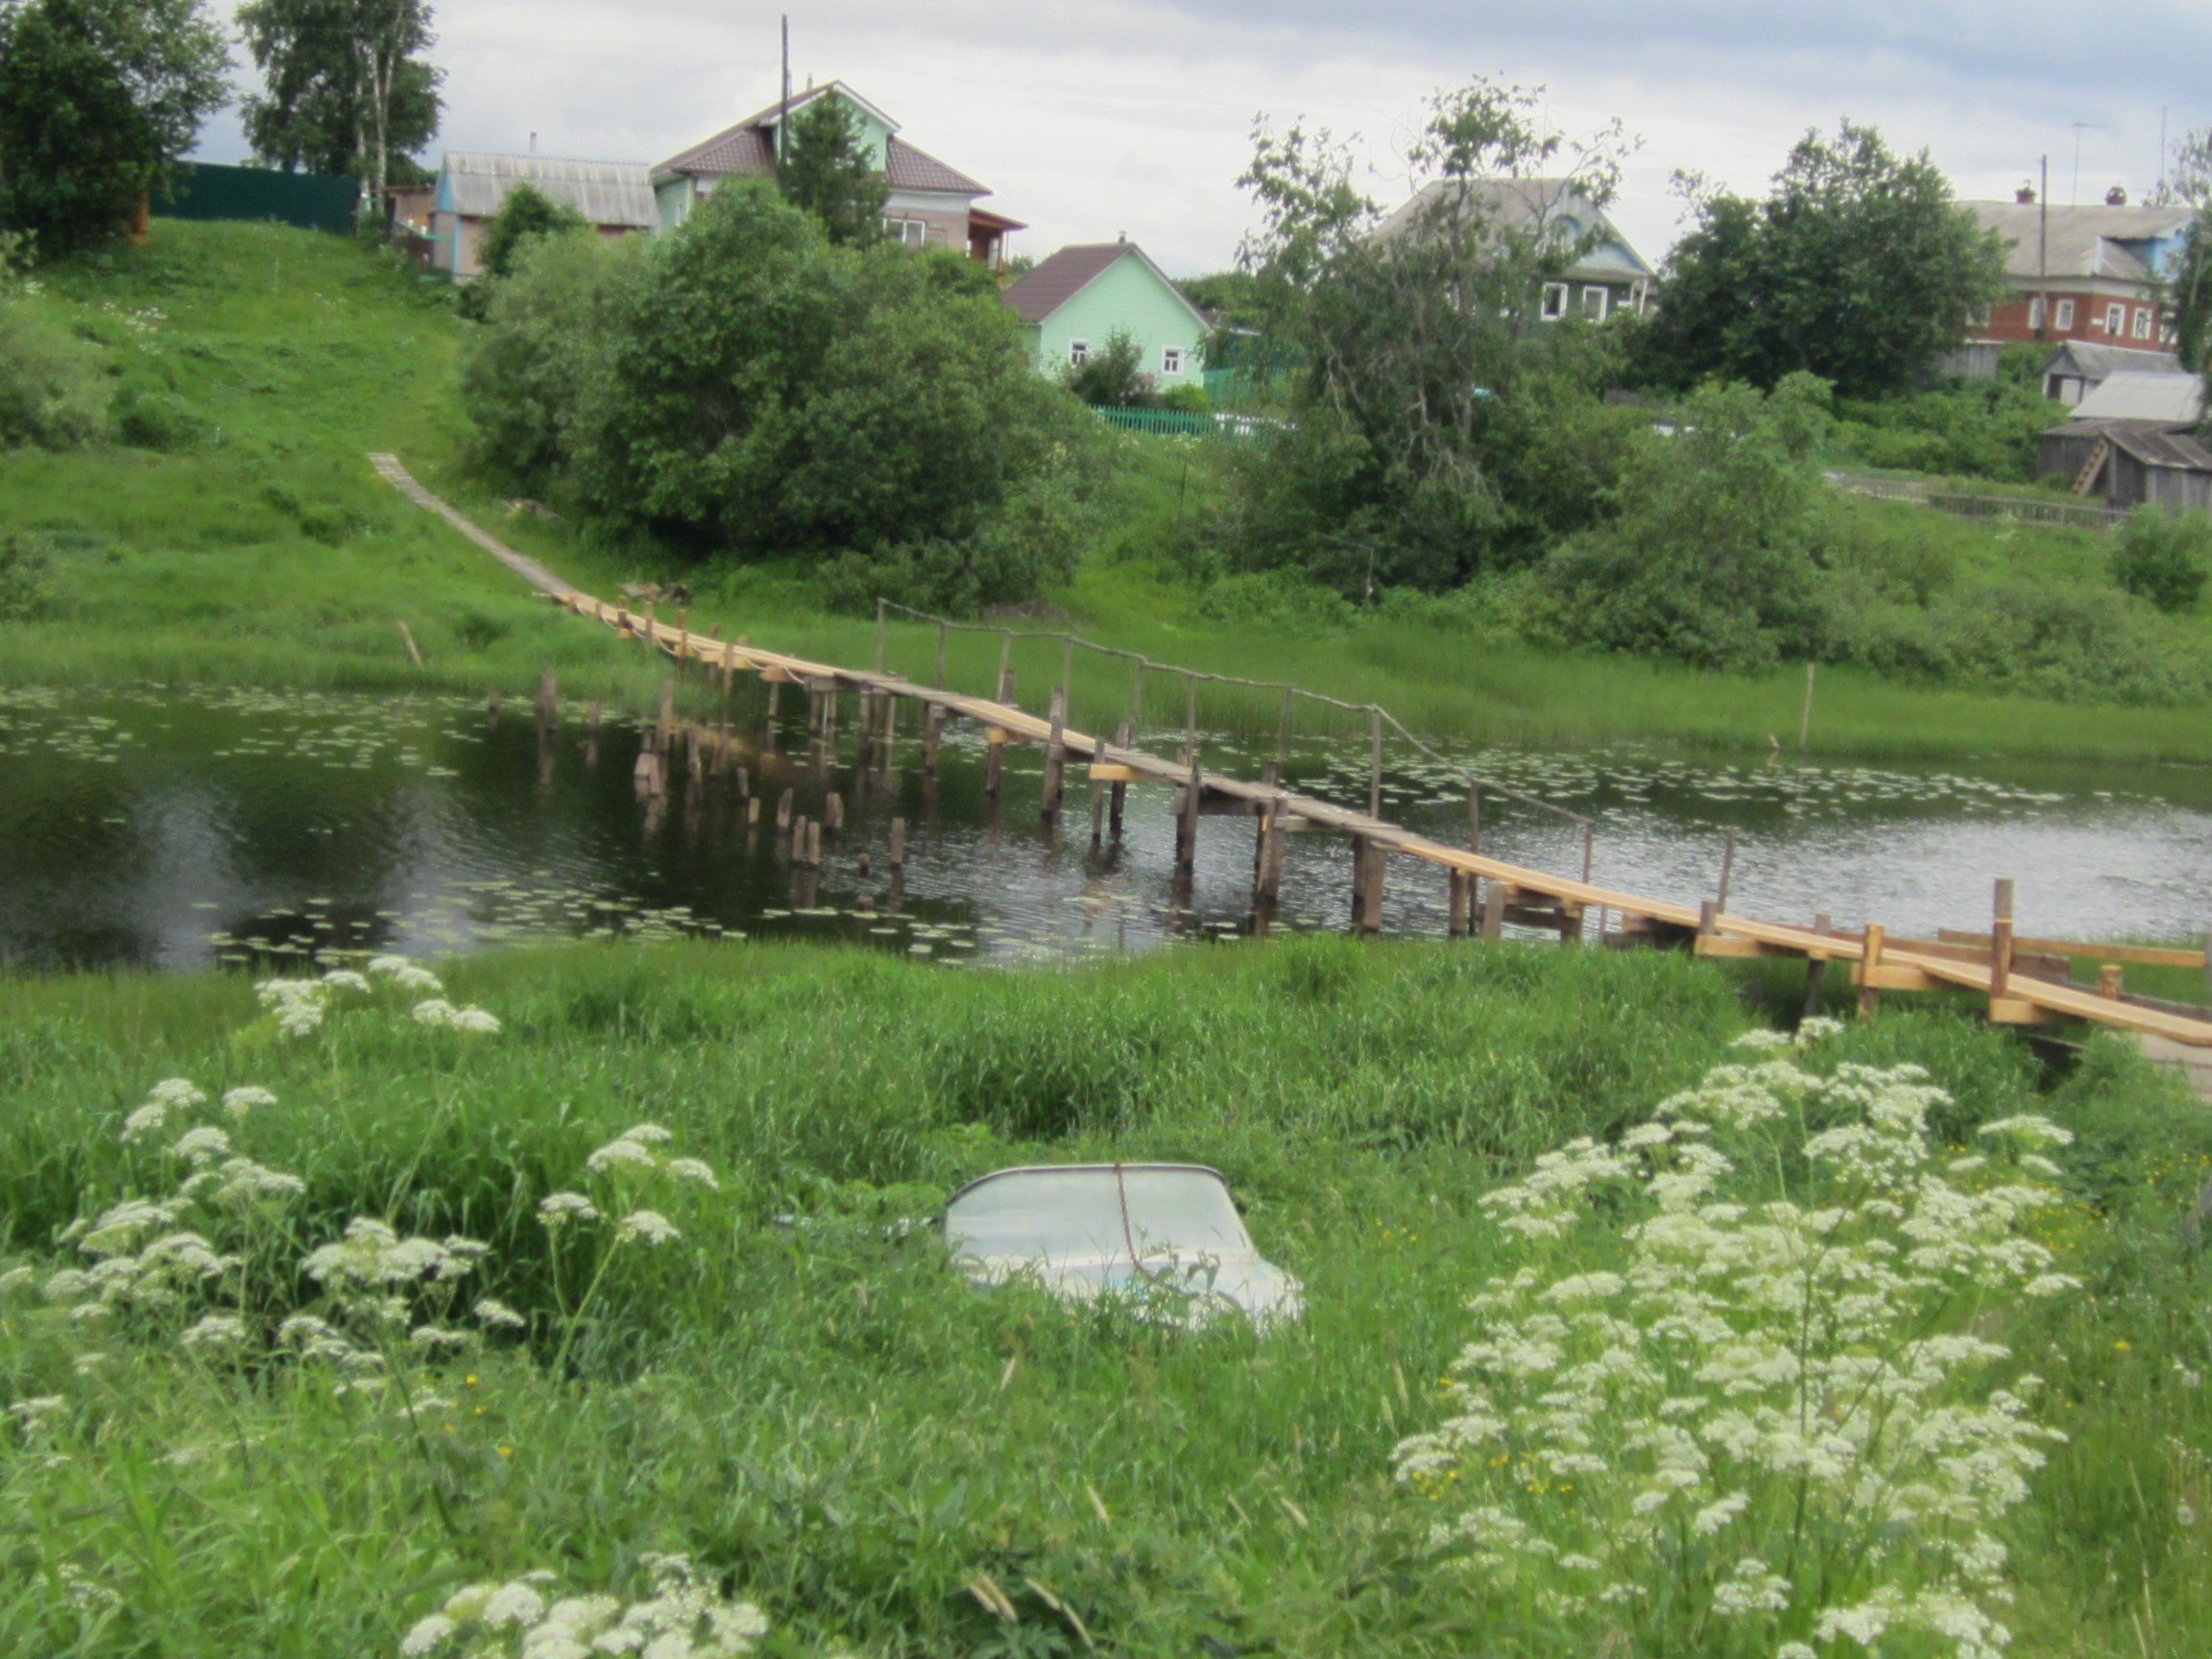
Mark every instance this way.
x=2043 y=253
x=2164 y=110
x=783 y=108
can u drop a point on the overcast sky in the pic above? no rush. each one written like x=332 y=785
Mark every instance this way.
x=1135 y=115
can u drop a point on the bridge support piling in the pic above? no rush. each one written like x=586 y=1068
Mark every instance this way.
x=1056 y=754
x=1492 y=908
x=994 y=763
x=1371 y=891
x=2000 y=944
x=1869 y=963
x=1461 y=905
x=898 y=843
x=1118 y=795
x=1359 y=879
x=1186 y=840
x=784 y=814
x=933 y=729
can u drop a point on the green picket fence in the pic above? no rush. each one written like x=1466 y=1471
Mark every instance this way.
x=1174 y=424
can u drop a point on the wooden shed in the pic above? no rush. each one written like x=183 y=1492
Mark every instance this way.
x=2128 y=462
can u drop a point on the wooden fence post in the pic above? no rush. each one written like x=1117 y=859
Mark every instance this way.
x=1815 y=972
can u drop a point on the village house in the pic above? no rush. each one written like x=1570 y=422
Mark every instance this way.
x=615 y=197
x=2090 y=274
x=1607 y=276
x=930 y=205
x=2132 y=441
x=1072 y=303
x=2079 y=368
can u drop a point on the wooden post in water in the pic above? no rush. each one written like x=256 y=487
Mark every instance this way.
x=833 y=813
x=1805 y=720
x=1375 y=767
x=1371 y=914
x=1283 y=734
x=932 y=728
x=491 y=709
x=1492 y=908
x=1118 y=795
x=548 y=699
x=1359 y=879
x=784 y=813
x=667 y=724
x=814 y=844
x=1056 y=753
x=1870 y=964
x=898 y=843
x=994 y=763
x=1727 y=870
x=752 y=812
x=1815 y=972
x=879 y=605
x=1192 y=794
x=683 y=635
x=1475 y=817
x=1461 y=904
x=1137 y=697
x=2001 y=943
x=1190 y=720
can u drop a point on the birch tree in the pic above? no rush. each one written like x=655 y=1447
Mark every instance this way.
x=344 y=87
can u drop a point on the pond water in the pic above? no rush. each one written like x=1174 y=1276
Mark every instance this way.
x=180 y=829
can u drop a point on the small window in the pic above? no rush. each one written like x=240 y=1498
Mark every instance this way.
x=1595 y=302
x=2115 y=319
x=2143 y=315
x=1171 y=359
x=1554 y=302
x=913 y=232
x=1077 y=351
x=2035 y=312
x=2063 y=318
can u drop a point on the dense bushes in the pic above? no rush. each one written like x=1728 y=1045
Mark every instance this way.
x=1976 y=429
x=744 y=385
x=2163 y=556
x=51 y=394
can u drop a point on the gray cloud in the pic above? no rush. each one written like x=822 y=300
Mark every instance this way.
x=1134 y=114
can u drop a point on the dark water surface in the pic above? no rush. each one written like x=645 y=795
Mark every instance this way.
x=176 y=829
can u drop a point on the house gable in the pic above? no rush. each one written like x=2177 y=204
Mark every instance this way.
x=1083 y=295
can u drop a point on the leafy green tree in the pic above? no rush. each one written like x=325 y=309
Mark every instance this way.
x=344 y=87
x=1404 y=348
x=527 y=214
x=1113 y=376
x=744 y=385
x=1859 y=268
x=98 y=98
x=823 y=168
x=1711 y=558
x=2189 y=290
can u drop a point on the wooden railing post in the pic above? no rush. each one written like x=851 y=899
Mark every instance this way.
x=1475 y=817
x=1727 y=870
x=1375 y=766
x=1815 y=972
x=1869 y=965
x=1056 y=753
x=1190 y=719
x=942 y=632
x=1118 y=795
x=2000 y=943
x=879 y=608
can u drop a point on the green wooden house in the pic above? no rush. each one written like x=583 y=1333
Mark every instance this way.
x=1077 y=301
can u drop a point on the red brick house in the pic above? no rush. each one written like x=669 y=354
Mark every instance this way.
x=930 y=205
x=2086 y=274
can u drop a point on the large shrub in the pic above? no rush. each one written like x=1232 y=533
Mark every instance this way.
x=745 y=385
x=2164 y=557
x=51 y=391
x=1976 y=429
x=1712 y=559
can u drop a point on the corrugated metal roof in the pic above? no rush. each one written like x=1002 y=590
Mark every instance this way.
x=2156 y=449
x=2177 y=399
x=607 y=193
x=1514 y=203
x=2085 y=242
x=2096 y=362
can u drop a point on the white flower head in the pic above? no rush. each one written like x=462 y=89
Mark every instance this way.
x=648 y=1225
x=238 y=1102
x=558 y=1208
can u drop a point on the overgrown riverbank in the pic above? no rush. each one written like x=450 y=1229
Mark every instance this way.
x=242 y=539
x=821 y=1412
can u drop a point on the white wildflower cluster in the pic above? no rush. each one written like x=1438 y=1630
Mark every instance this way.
x=683 y=1618
x=630 y=1160
x=302 y=1004
x=1815 y=1030
x=1765 y=1385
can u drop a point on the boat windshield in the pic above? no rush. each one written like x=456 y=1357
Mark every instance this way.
x=1094 y=1211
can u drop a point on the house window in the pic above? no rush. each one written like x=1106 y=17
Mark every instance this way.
x=2143 y=316
x=2063 y=318
x=1639 y=297
x=1077 y=351
x=1171 y=359
x=2115 y=319
x=1595 y=302
x=1554 y=302
x=2035 y=312
x=913 y=232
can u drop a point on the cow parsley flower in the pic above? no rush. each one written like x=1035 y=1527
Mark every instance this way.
x=558 y=1208
x=646 y=1224
x=624 y=1153
x=238 y=1102
x=202 y=1147
x=497 y=1314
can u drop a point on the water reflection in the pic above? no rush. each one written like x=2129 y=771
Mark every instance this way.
x=176 y=830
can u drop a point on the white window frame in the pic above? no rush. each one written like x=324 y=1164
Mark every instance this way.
x=1555 y=299
x=1604 y=301
x=907 y=232
x=2115 y=321
x=2035 y=312
x=1639 y=295
x=1078 y=352
x=2142 y=329
x=1171 y=359
x=2063 y=318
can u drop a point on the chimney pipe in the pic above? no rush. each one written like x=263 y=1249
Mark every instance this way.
x=533 y=143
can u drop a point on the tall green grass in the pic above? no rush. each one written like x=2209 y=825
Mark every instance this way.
x=827 y=1415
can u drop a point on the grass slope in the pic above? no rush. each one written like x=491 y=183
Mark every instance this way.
x=826 y=1414
x=267 y=553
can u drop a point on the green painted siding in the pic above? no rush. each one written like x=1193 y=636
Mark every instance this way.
x=1126 y=295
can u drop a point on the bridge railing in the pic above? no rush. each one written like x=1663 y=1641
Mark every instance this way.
x=1380 y=719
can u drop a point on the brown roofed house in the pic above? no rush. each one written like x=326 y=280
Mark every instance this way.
x=930 y=206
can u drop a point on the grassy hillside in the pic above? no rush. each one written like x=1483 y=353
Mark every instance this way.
x=258 y=548
x=824 y=1414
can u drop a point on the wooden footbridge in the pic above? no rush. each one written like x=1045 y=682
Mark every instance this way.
x=2021 y=981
